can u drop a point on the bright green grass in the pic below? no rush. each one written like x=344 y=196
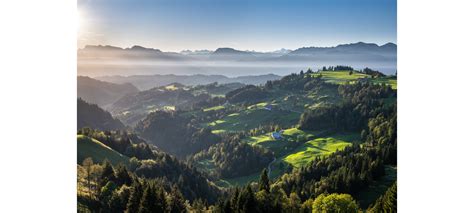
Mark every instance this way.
x=282 y=146
x=215 y=108
x=340 y=77
x=219 y=131
x=308 y=151
x=291 y=149
x=377 y=188
x=259 y=105
x=253 y=118
x=89 y=147
x=171 y=87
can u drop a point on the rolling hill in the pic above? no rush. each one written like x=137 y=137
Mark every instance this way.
x=145 y=82
x=91 y=115
x=90 y=147
x=102 y=93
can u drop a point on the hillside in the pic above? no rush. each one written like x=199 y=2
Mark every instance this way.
x=302 y=135
x=145 y=82
x=283 y=107
x=91 y=115
x=133 y=107
x=90 y=147
x=146 y=163
x=100 y=92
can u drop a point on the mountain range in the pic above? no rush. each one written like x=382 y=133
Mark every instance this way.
x=369 y=51
x=137 y=60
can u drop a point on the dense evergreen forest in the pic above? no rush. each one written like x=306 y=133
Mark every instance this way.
x=313 y=141
x=91 y=115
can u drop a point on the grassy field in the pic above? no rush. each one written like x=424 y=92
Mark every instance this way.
x=89 y=147
x=324 y=146
x=340 y=77
x=296 y=148
x=253 y=118
x=215 y=108
x=290 y=139
x=377 y=188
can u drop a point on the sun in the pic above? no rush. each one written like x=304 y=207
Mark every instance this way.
x=79 y=21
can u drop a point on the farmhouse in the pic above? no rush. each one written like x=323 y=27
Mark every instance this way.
x=268 y=107
x=277 y=135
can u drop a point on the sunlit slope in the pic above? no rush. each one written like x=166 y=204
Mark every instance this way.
x=298 y=147
x=295 y=148
x=89 y=147
x=340 y=77
x=318 y=147
x=253 y=118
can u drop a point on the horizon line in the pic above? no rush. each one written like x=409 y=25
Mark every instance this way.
x=261 y=51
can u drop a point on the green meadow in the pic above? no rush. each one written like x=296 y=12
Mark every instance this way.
x=289 y=140
x=90 y=147
x=215 y=108
x=252 y=118
x=318 y=147
x=341 y=77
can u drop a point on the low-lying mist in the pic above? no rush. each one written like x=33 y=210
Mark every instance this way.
x=104 y=67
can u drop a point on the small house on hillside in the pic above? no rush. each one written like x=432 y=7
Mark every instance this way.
x=277 y=135
x=268 y=107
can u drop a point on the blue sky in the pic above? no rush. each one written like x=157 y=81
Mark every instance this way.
x=263 y=25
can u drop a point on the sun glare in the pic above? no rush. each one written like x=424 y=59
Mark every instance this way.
x=79 y=22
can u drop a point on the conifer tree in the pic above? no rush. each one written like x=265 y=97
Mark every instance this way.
x=107 y=173
x=135 y=197
x=149 y=202
x=176 y=201
x=264 y=182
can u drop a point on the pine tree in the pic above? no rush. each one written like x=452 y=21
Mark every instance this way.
x=264 y=182
x=161 y=201
x=386 y=202
x=176 y=201
x=135 y=197
x=149 y=202
x=249 y=202
x=122 y=175
x=107 y=173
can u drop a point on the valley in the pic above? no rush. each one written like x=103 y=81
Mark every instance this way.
x=299 y=130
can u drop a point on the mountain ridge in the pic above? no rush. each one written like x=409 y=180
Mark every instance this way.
x=230 y=50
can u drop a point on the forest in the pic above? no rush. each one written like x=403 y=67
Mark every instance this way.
x=312 y=141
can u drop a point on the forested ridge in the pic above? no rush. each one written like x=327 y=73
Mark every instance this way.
x=91 y=115
x=236 y=152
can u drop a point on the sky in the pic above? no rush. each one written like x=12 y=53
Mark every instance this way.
x=260 y=25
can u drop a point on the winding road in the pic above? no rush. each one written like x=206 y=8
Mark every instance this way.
x=270 y=166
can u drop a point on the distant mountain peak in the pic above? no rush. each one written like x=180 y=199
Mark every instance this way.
x=228 y=50
x=101 y=47
x=359 y=45
x=389 y=45
x=140 y=48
